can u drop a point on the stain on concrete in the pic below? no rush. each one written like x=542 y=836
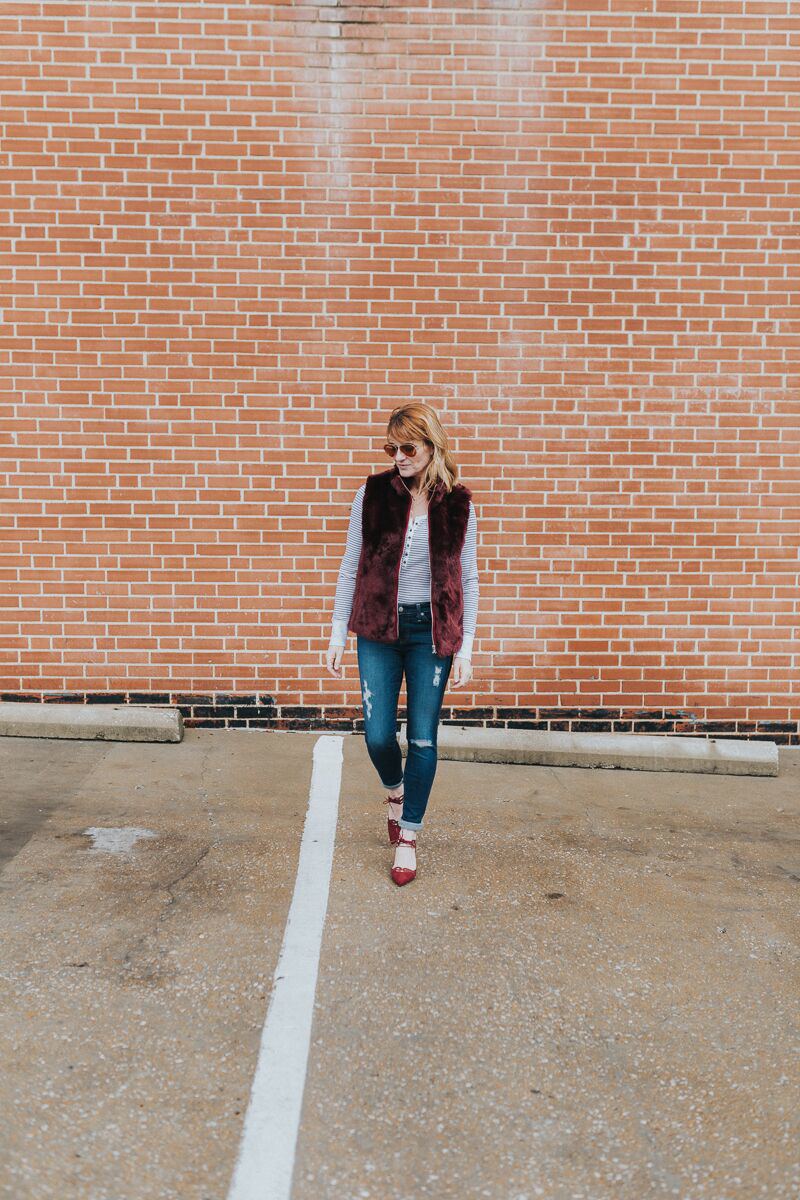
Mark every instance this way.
x=120 y=841
x=40 y=777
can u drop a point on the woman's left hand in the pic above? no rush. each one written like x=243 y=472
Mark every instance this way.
x=462 y=671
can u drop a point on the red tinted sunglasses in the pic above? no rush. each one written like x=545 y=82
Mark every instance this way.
x=408 y=448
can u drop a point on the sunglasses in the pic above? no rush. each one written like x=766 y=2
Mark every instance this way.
x=408 y=448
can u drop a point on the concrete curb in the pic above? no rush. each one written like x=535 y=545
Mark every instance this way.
x=628 y=751
x=106 y=722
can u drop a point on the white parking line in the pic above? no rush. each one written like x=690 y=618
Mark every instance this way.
x=265 y=1160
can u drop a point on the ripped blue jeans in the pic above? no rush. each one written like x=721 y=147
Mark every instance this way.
x=380 y=667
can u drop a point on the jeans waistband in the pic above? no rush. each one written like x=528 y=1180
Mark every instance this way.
x=417 y=606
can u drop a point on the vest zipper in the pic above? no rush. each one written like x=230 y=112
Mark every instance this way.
x=397 y=580
x=430 y=559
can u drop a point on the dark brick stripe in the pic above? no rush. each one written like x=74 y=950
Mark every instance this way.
x=224 y=710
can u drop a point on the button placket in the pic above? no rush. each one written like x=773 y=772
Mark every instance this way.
x=407 y=546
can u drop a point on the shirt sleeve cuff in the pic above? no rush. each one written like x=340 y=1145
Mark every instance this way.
x=338 y=633
x=465 y=649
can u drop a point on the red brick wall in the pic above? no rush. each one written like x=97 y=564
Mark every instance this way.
x=235 y=235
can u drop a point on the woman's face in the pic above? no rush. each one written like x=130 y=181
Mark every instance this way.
x=411 y=467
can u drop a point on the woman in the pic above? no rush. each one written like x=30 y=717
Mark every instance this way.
x=408 y=589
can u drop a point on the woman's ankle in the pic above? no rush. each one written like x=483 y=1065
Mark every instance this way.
x=405 y=850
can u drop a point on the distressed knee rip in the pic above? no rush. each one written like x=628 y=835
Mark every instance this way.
x=367 y=695
x=437 y=676
x=420 y=742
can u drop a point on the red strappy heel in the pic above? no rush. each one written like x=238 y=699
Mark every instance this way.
x=402 y=875
x=393 y=826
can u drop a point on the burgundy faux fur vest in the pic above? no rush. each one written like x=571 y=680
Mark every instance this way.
x=385 y=516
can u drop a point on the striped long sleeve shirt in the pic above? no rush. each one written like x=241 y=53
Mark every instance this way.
x=415 y=573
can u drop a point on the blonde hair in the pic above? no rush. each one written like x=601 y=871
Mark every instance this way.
x=417 y=422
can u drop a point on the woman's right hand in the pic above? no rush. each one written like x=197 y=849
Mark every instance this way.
x=333 y=659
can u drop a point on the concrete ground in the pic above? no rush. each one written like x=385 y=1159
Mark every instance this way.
x=590 y=992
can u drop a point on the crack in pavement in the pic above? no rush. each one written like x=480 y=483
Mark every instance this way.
x=136 y=961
